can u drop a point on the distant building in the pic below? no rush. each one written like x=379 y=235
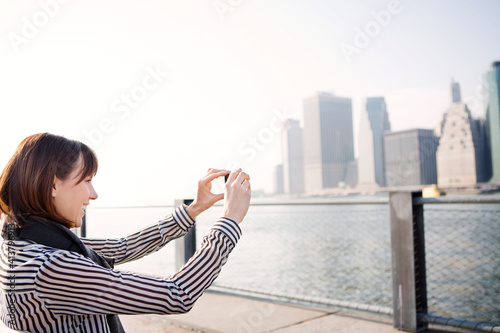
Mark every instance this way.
x=492 y=104
x=328 y=141
x=293 y=162
x=460 y=155
x=410 y=157
x=482 y=147
x=278 y=179
x=456 y=96
x=374 y=122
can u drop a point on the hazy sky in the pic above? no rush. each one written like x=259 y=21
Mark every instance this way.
x=162 y=90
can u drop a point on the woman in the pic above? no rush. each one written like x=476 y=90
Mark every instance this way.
x=53 y=281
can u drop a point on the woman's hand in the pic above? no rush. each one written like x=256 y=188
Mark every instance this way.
x=205 y=198
x=237 y=196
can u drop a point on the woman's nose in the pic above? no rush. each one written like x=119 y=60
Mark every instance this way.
x=93 y=194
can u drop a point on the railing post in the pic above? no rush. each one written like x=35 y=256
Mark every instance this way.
x=409 y=289
x=185 y=246
x=419 y=254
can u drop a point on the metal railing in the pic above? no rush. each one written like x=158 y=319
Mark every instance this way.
x=462 y=245
x=373 y=255
x=447 y=261
x=350 y=245
x=329 y=251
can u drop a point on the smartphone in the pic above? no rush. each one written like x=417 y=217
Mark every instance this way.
x=226 y=177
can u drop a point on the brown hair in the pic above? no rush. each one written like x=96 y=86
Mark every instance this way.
x=27 y=179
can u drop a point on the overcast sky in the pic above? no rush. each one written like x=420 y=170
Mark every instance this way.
x=162 y=90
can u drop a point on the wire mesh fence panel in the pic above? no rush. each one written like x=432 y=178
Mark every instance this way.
x=339 y=252
x=463 y=261
x=120 y=222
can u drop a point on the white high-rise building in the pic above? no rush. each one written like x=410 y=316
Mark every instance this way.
x=373 y=124
x=456 y=154
x=461 y=158
x=293 y=162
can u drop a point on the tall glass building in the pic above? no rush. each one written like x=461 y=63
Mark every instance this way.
x=492 y=104
x=481 y=145
x=456 y=96
x=328 y=141
x=373 y=124
x=410 y=157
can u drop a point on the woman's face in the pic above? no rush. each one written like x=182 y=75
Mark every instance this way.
x=71 y=198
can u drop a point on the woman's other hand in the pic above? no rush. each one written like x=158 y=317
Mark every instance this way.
x=204 y=197
x=237 y=195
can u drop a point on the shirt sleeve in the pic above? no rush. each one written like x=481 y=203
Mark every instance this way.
x=70 y=284
x=145 y=241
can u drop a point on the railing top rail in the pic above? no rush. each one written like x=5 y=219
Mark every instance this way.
x=382 y=200
x=305 y=202
x=482 y=199
x=130 y=207
x=323 y=202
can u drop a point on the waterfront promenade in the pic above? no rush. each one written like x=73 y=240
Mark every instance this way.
x=217 y=312
x=220 y=312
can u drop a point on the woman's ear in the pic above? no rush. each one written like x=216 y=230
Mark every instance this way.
x=55 y=186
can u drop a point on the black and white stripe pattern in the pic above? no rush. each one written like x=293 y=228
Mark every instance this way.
x=61 y=291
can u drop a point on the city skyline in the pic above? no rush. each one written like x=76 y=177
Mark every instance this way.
x=455 y=154
x=164 y=90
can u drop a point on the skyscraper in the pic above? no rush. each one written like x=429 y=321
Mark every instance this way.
x=293 y=163
x=492 y=104
x=410 y=157
x=374 y=122
x=278 y=179
x=459 y=148
x=482 y=149
x=456 y=96
x=328 y=141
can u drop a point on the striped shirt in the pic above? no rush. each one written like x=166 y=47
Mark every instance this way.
x=52 y=290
